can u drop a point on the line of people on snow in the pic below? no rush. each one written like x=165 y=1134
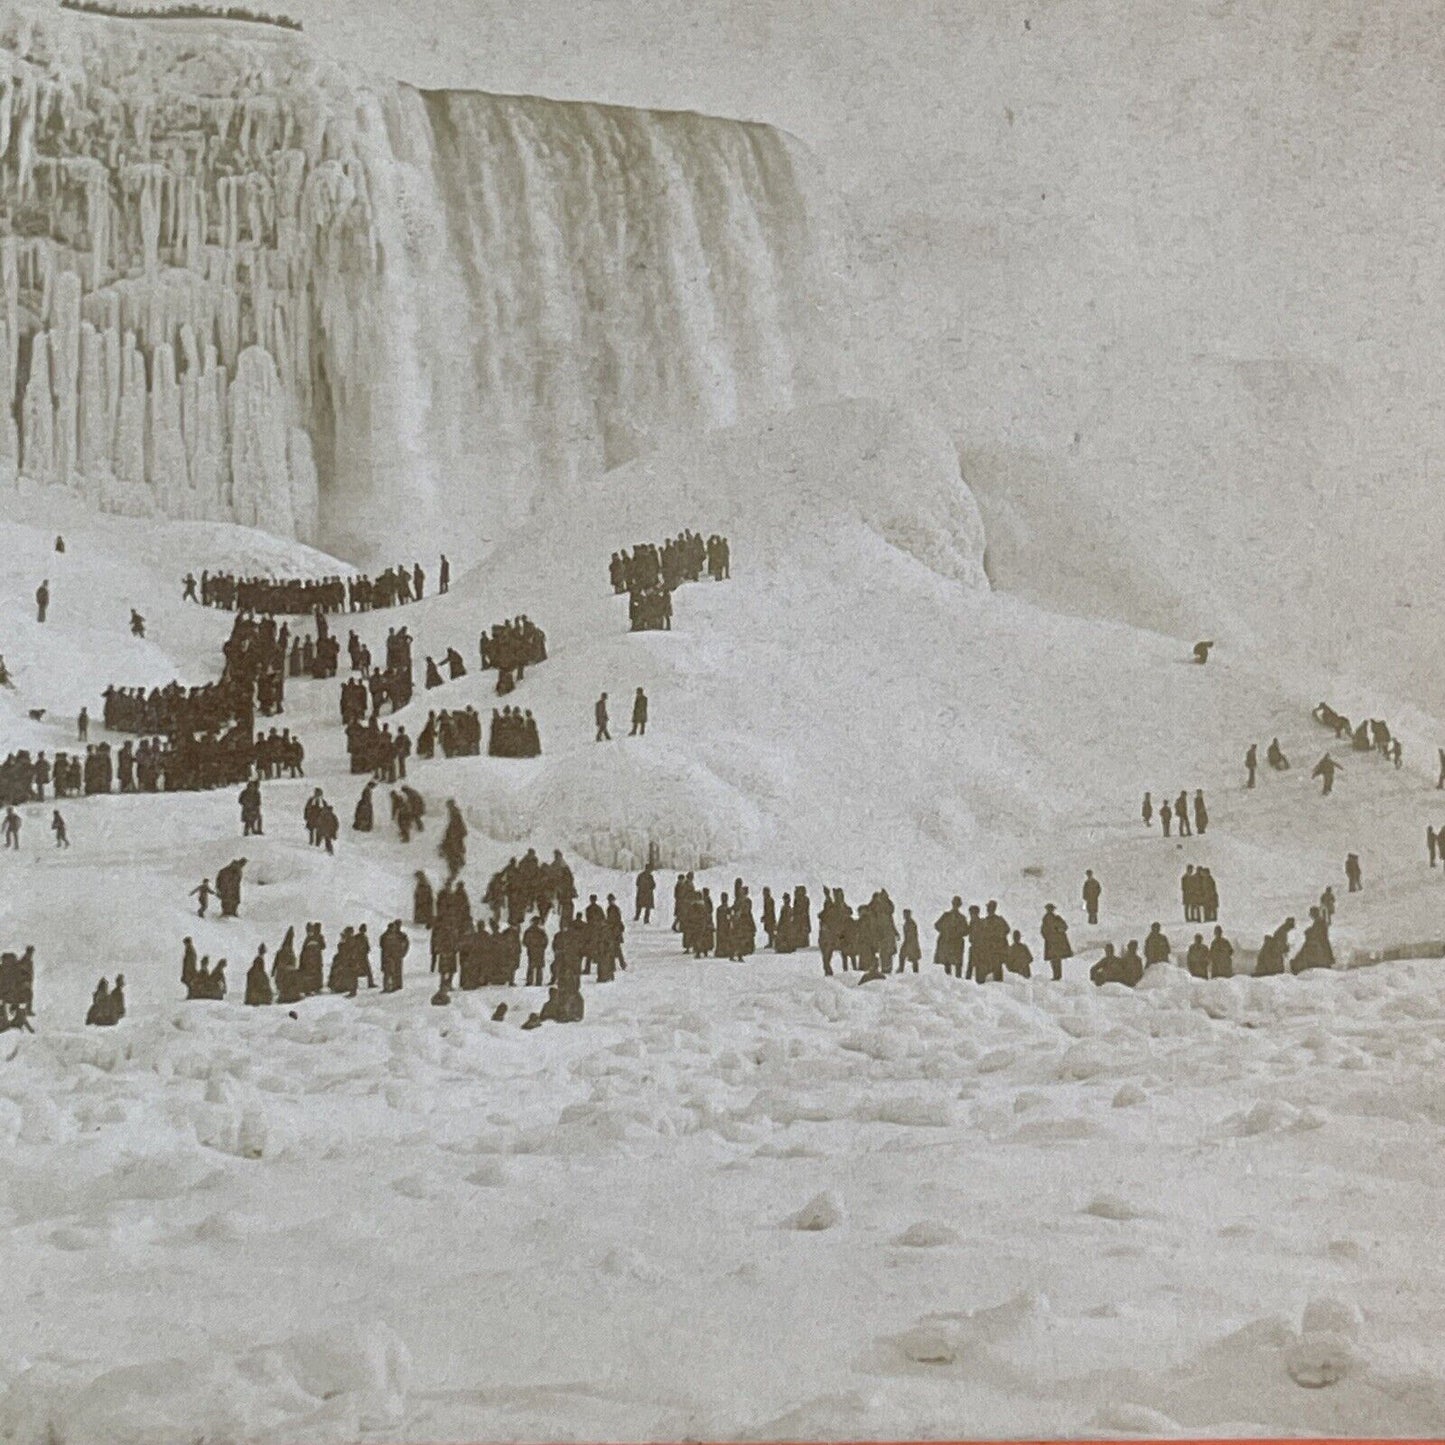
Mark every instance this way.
x=669 y=564
x=455 y=733
x=304 y=595
x=177 y=764
x=1175 y=817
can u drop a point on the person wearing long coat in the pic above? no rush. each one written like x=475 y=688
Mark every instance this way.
x=952 y=930
x=423 y=902
x=1055 y=933
x=363 y=817
x=258 y=983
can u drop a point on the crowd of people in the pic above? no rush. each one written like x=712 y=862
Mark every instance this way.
x=179 y=763
x=362 y=697
x=1175 y=817
x=512 y=647
x=513 y=734
x=651 y=572
x=456 y=733
x=302 y=596
x=373 y=748
x=669 y=564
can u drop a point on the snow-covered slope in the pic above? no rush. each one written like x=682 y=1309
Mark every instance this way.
x=589 y=1232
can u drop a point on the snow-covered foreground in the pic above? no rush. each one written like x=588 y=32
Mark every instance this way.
x=1038 y=1207
x=1046 y=1208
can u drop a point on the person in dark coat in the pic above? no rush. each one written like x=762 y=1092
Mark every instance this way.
x=1055 y=933
x=228 y=887
x=258 y=981
x=453 y=846
x=952 y=931
x=1221 y=956
x=1156 y=946
x=1201 y=813
x=98 y=1015
x=1315 y=950
x=909 y=950
x=1251 y=765
x=639 y=714
x=394 y=948
x=1019 y=959
x=423 y=903
x=1166 y=818
x=363 y=818
x=599 y=713
x=1354 y=875
x=1093 y=890
x=534 y=941
x=646 y=896
x=1196 y=960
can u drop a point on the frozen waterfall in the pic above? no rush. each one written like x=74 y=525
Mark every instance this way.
x=237 y=282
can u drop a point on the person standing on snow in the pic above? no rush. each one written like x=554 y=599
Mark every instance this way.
x=639 y=714
x=1353 y=873
x=599 y=712
x=1093 y=890
x=42 y=605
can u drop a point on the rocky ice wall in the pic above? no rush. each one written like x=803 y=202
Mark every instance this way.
x=238 y=283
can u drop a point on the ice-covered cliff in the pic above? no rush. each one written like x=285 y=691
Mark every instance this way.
x=239 y=282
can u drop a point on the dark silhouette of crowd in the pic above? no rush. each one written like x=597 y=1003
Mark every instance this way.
x=651 y=572
x=454 y=734
x=300 y=596
x=373 y=748
x=512 y=647
x=671 y=563
x=17 y=990
x=513 y=734
x=182 y=762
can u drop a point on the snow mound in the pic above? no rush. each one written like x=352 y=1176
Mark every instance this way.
x=822 y=1211
x=928 y=1234
x=336 y=1386
x=1113 y=1206
x=615 y=804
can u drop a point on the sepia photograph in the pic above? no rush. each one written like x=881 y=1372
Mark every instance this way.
x=721 y=720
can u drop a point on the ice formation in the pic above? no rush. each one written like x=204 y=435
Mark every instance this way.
x=241 y=283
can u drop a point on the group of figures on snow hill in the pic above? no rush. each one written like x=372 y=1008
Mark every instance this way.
x=177 y=764
x=303 y=595
x=362 y=697
x=512 y=647
x=1175 y=817
x=1371 y=736
x=408 y=811
x=454 y=734
x=480 y=955
x=319 y=659
x=373 y=748
x=455 y=667
x=107 y=1004
x=671 y=563
x=513 y=734
x=17 y=990
x=651 y=572
x=294 y=974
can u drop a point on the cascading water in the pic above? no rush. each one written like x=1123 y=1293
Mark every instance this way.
x=238 y=283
